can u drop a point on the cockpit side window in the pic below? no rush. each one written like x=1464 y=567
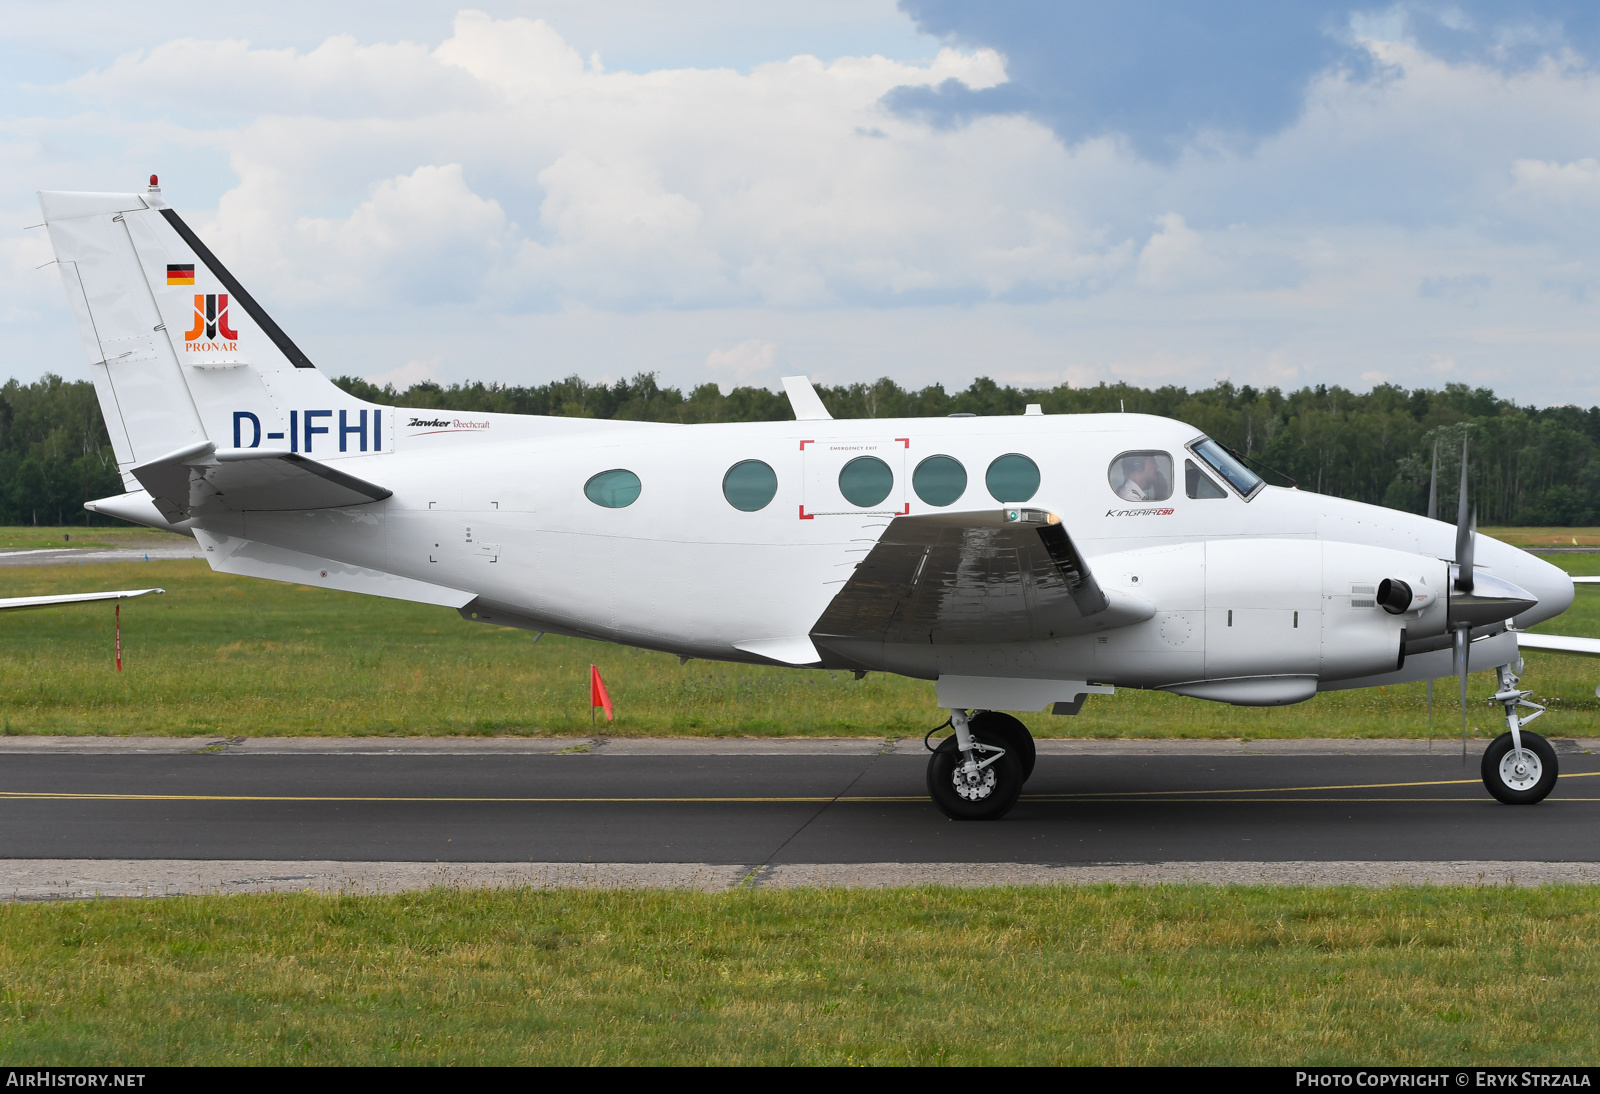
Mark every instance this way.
x=1141 y=476
x=1220 y=460
x=1197 y=484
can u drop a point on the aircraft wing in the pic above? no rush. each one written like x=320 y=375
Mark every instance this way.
x=1003 y=575
x=1586 y=581
x=21 y=603
x=1559 y=643
x=203 y=476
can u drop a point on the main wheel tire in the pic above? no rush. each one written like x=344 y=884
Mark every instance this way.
x=996 y=789
x=1012 y=734
x=1520 y=783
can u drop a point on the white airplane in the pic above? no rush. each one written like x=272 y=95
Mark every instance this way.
x=1022 y=563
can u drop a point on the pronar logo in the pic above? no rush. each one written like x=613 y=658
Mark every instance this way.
x=211 y=333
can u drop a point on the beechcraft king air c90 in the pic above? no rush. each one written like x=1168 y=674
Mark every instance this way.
x=1022 y=563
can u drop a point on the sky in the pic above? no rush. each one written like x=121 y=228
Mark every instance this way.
x=728 y=191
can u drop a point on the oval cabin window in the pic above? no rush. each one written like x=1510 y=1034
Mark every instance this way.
x=614 y=489
x=939 y=480
x=1012 y=477
x=865 y=481
x=1142 y=476
x=749 y=485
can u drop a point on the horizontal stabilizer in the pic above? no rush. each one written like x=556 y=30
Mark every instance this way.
x=1559 y=643
x=22 y=603
x=134 y=506
x=1586 y=581
x=203 y=478
x=1002 y=575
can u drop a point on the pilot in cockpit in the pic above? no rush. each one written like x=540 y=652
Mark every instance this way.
x=1143 y=477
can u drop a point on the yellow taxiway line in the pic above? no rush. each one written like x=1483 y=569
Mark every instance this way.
x=1155 y=796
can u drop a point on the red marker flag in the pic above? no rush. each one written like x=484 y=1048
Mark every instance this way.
x=597 y=694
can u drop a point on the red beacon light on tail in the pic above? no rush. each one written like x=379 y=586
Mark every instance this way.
x=155 y=185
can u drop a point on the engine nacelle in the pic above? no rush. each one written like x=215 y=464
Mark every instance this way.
x=1374 y=601
x=1397 y=597
x=1279 y=608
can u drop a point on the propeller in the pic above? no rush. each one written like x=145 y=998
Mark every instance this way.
x=1433 y=486
x=1466 y=532
x=1433 y=514
x=1476 y=600
x=1463 y=650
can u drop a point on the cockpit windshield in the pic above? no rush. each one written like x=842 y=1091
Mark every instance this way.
x=1240 y=477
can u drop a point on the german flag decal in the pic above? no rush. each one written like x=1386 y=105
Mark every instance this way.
x=180 y=275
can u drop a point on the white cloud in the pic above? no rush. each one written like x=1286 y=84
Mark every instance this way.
x=1174 y=256
x=751 y=361
x=412 y=372
x=503 y=208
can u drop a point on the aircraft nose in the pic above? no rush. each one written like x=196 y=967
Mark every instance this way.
x=1549 y=584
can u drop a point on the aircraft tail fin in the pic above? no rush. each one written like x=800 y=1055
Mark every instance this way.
x=180 y=352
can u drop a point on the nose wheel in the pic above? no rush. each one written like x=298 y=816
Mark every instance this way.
x=1519 y=776
x=977 y=773
x=1519 y=766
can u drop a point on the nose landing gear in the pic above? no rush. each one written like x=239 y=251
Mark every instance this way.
x=977 y=773
x=1519 y=766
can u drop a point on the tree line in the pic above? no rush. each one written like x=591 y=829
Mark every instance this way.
x=1528 y=465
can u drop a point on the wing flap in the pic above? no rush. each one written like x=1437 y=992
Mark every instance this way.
x=975 y=577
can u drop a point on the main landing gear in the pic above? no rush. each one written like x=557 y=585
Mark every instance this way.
x=977 y=773
x=1519 y=766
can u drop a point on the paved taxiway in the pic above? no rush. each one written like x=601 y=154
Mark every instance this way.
x=760 y=809
x=82 y=556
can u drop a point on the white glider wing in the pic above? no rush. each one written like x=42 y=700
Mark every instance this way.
x=22 y=603
x=1559 y=643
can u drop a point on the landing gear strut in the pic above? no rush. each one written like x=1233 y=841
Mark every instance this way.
x=977 y=773
x=1519 y=766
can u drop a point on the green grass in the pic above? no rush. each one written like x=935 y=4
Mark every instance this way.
x=1545 y=537
x=20 y=538
x=240 y=657
x=1106 y=975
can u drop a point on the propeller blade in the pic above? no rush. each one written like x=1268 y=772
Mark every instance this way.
x=1463 y=650
x=1466 y=525
x=1433 y=486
